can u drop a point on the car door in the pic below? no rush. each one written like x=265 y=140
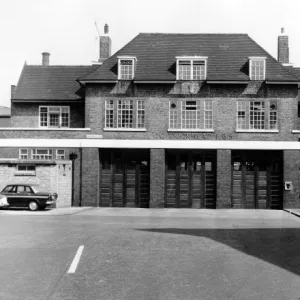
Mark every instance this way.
x=10 y=193
x=21 y=196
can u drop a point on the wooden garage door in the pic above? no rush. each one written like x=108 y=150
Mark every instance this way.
x=257 y=179
x=124 y=178
x=190 y=179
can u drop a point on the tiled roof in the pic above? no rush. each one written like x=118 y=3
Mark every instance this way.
x=51 y=82
x=228 y=57
x=296 y=72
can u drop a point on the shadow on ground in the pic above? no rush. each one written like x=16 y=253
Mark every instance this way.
x=278 y=246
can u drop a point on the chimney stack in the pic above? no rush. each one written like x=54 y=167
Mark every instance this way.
x=12 y=91
x=45 y=60
x=283 y=48
x=105 y=46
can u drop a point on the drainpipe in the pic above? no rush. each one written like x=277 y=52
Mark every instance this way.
x=72 y=157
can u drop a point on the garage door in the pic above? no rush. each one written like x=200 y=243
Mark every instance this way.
x=124 y=178
x=190 y=179
x=257 y=179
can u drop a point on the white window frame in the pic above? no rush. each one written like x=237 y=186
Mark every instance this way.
x=140 y=111
x=109 y=108
x=208 y=115
x=241 y=106
x=128 y=108
x=42 y=156
x=253 y=59
x=191 y=59
x=60 y=156
x=131 y=58
x=245 y=105
x=59 y=112
x=203 y=113
x=262 y=121
x=23 y=156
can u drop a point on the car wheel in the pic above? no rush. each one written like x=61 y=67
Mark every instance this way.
x=32 y=205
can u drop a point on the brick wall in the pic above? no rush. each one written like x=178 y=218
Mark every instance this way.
x=224 y=99
x=291 y=161
x=54 y=178
x=90 y=177
x=157 y=178
x=224 y=179
x=27 y=114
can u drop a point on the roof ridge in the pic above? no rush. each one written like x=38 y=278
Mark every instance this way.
x=163 y=33
x=59 y=66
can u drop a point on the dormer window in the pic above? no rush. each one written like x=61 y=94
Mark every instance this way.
x=257 y=68
x=126 y=66
x=191 y=67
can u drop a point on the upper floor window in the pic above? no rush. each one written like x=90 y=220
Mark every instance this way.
x=190 y=114
x=126 y=67
x=257 y=115
x=191 y=67
x=54 y=116
x=257 y=68
x=124 y=113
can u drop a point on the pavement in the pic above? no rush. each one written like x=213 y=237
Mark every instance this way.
x=47 y=212
x=149 y=254
x=294 y=211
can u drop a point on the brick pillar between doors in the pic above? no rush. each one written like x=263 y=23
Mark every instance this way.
x=157 y=178
x=223 y=179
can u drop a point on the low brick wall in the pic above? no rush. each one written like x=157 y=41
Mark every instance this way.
x=55 y=178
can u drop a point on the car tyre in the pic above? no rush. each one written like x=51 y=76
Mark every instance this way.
x=33 y=205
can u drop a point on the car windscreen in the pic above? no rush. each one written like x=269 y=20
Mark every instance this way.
x=8 y=189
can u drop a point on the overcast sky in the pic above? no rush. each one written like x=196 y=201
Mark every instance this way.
x=66 y=28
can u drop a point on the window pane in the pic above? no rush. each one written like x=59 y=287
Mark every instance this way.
x=125 y=113
x=184 y=72
x=141 y=114
x=126 y=69
x=208 y=124
x=257 y=69
x=241 y=115
x=257 y=115
x=189 y=115
x=273 y=115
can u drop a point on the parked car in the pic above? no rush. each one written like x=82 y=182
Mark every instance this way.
x=25 y=195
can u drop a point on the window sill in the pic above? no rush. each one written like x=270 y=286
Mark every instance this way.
x=125 y=129
x=257 y=131
x=44 y=129
x=296 y=131
x=191 y=130
x=25 y=173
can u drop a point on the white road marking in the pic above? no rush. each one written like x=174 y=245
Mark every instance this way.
x=75 y=261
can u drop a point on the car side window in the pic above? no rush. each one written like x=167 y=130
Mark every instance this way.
x=9 y=189
x=28 y=189
x=20 y=189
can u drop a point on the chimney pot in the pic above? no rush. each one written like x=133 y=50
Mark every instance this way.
x=282 y=29
x=105 y=29
x=45 y=60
